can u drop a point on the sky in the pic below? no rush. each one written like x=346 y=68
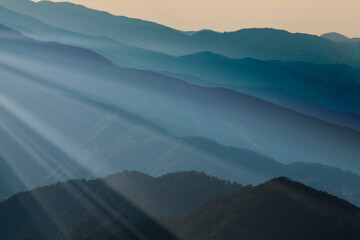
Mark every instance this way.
x=307 y=16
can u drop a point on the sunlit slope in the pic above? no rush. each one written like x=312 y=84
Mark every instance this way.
x=94 y=139
x=228 y=117
x=267 y=44
x=67 y=112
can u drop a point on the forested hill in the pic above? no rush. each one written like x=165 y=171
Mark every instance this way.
x=102 y=206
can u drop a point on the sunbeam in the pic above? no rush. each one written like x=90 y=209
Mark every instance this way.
x=116 y=128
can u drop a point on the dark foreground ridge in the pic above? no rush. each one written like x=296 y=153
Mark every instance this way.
x=101 y=207
x=138 y=206
x=278 y=209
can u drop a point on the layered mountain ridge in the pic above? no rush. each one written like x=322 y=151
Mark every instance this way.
x=108 y=130
x=154 y=208
x=329 y=92
x=118 y=128
x=279 y=44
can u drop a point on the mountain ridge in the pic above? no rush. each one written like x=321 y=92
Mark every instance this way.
x=127 y=56
x=260 y=212
x=256 y=213
x=174 y=42
x=112 y=148
x=80 y=206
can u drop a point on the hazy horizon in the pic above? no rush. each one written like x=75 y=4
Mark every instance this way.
x=114 y=128
x=314 y=17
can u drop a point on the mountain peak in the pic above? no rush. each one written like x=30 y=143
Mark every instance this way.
x=121 y=196
x=257 y=213
x=337 y=37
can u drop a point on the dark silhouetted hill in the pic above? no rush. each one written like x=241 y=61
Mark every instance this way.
x=100 y=207
x=279 y=209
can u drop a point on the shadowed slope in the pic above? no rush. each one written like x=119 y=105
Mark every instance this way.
x=279 y=209
x=100 y=207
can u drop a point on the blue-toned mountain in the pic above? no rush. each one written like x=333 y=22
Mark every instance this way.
x=81 y=116
x=324 y=91
x=265 y=44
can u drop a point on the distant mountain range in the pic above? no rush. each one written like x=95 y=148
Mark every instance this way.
x=97 y=138
x=312 y=89
x=336 y=37
x=142 y=207
x=225 y=116
x=85 y=95
x=330 y=86
x=264 y=44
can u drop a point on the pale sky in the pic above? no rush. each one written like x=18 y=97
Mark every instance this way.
x=309 y=16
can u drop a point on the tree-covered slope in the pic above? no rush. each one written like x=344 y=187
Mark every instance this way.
x=278 y=209
x=100 y=207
